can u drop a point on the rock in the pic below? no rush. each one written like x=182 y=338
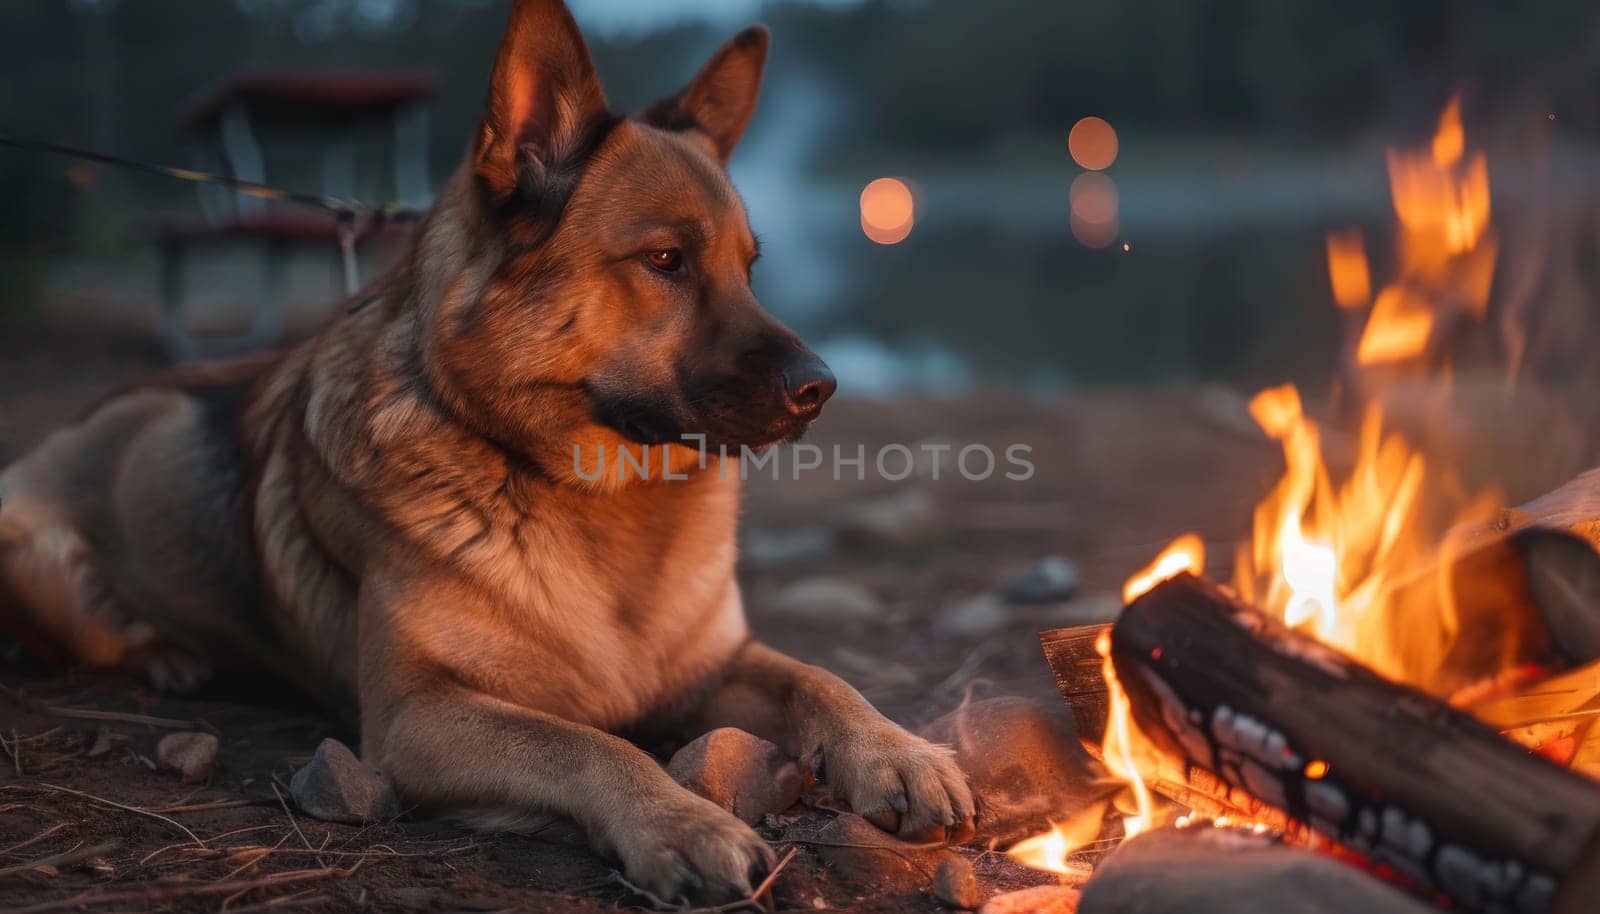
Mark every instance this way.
x=775 y=550
x=192 y=755
x=972 y=617
x=335 y=786
x=1041 y=899
x=827 y=598
x=744 y=774
x=1050 y=580
x=956 y=885
x=1024 y=764
x=864 y=857
x=904 y=518
x=1203 y=870
x=104 y=739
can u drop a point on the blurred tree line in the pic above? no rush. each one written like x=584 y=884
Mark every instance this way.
x=933 y=76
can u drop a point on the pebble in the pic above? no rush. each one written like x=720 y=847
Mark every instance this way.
x=335 y=786
x=742 y=773
x=827 y=598
x=1041 y=899
x=1203 y=870
x=776 y=550
x=1052 y=579
x=860 y=854
x=904 y=518
x=192 y=755
x=956 y=885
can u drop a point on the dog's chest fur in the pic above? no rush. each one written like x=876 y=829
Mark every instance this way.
x=604 y=606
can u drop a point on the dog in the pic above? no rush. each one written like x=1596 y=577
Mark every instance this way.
x=393 y=516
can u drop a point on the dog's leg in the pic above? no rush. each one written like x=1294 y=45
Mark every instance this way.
x=902 y=783
x=455 y=749
x=450 y=746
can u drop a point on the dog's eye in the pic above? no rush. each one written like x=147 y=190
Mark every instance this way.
x=668 y=260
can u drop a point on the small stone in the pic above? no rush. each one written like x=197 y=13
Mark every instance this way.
x=1041 y=899
x=775 y=550
x=1050 y=580
x=972 y=617
x=956 y=885
x=335 y=786
x=742 y=773
x=904 y=518
x=1202 y=870
x=862 y=856
x=827 y=598
x=192 y=755
x=1023 y=762
x=103 y=740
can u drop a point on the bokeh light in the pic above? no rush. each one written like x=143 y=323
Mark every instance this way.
x=1093 y=143
x=1094 y=209
x=888 y=211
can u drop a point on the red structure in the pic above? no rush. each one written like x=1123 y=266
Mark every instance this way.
x=331 y=113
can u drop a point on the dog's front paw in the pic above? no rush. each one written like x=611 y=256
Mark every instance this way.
x=685 y=847
x=901 y=783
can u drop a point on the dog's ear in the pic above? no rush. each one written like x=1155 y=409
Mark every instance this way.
x=546 y=106
x=722 y=97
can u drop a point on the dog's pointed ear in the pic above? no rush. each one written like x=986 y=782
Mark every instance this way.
x=545 y=101
x=721 y=99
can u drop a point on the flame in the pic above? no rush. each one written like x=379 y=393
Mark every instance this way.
x=1446 y=253
x=1050 y=851
x=1348 y=272
x=1126 y=754
x=1186 y=553
x=1326 y=550
x=1124 y=749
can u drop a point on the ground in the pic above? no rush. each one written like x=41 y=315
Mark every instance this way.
x=1115 y=477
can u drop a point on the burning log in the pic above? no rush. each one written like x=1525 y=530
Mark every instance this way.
x=1383 y=769
x=1525 y=596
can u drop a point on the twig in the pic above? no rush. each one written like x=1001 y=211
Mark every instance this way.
x=753 y=900
x=874 y=847
x=133 y=809
x=766 y=884
x=62 y=859
x=215 y=804
x=14 y=753
x=282 y=901
x=41 y=707
x=187 y=890
x=35 y=839
x=295 y=825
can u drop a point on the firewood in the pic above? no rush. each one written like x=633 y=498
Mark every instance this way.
x=1524 y=596
x=1381 y=768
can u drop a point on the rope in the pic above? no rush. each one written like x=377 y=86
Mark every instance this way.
x=350 y=213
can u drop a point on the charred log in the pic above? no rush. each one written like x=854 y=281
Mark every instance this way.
x=1383 y=769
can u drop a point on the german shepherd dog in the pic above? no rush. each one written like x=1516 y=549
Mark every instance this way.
x=392 y=514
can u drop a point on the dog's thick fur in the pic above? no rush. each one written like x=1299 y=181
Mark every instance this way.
x=391 y=515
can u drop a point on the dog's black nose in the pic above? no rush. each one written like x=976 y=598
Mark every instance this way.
x=807 y=384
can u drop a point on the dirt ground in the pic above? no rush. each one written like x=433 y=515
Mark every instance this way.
x=1116 y=477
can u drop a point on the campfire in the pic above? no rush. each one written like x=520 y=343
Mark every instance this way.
x=1397 y=671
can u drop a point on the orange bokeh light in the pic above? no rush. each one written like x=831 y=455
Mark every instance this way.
x=1093 y=143
x=888 y=211
x=1094 y=209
